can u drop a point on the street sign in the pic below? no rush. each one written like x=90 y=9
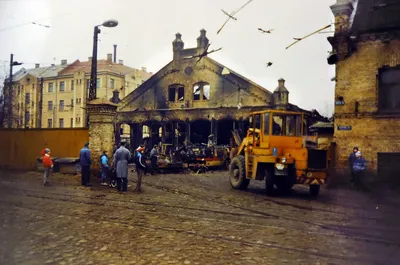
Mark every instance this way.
x=339 y=103
x=344 y=128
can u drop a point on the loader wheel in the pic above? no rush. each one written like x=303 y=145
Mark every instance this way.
x=237 y=173
x=314 y=190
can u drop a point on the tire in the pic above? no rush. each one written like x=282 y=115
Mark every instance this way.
x=314 y=190
x=237 y=173
x=269 y=182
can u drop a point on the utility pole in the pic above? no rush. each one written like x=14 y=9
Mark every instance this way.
x=10 y=91
x=93 y=73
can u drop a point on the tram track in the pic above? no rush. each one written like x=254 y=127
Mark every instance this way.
x=339 y=232
x=100 y=217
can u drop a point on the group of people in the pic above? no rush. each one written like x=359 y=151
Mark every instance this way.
x=116 y=172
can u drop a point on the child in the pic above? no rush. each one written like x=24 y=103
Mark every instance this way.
x=48 y=165
x=104 y=168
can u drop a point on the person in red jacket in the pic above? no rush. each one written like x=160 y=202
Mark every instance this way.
x=48 y=165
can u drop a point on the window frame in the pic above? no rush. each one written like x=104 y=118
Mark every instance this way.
x=381 y=97
x=50 y=85
x=62 y=86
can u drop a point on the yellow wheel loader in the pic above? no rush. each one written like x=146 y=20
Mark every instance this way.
x=274 y=149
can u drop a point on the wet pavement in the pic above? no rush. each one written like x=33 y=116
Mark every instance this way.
x=191 y=219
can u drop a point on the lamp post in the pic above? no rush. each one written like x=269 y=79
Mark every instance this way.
x=93 y=74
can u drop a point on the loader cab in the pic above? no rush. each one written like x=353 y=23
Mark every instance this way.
x=276 y=128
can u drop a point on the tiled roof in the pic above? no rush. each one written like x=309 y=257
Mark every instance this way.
x=102 y=65
x=376 y=15
x=48 y=71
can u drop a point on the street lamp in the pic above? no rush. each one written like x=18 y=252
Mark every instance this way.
x=93 y=74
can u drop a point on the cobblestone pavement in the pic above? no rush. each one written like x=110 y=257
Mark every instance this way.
x=191 y=219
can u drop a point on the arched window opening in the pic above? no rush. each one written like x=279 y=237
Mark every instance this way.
x=201 y=91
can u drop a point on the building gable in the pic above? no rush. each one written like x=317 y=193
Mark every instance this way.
x=181 y=84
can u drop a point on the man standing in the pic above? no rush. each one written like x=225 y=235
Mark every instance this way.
x=351 y=159
x=140 y=168
x=85 y=161
x=121 y=158
x=153 y=158
x=48 y=165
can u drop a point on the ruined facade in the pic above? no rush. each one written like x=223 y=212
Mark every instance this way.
x=366 y=51
x=190 y=99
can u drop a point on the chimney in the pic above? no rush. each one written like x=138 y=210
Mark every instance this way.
x=90 y=58
x=120 y=61
x=64 y=62
x=144 y=69
x=177 y=46
x=109 y=57
x=115 y=53
x=202 y=41
x=37 y=65
x=342 y=11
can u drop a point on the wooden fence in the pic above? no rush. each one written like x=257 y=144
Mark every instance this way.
x=19 y=148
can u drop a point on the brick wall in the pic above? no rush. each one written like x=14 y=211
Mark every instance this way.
x=357 y=81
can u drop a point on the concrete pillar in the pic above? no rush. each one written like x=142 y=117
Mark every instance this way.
x=101 y=128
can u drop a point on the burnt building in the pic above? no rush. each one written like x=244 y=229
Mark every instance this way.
x=190 y=99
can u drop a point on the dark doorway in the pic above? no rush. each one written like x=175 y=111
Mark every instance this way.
x=199 y=131
x=224 y=132
x=389 y=167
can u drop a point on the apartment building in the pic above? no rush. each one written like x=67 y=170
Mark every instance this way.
x=63 y=90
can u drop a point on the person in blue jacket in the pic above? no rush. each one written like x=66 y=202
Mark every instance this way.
x=359 y=167
x=104 y=168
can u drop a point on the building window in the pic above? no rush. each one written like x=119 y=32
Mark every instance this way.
x=112 y=83
x=61 y=106
x=18 y=107
x=98 y=83
x=72 y=85
x=201 y=91
x=50 y=105
x=87 y=83
x=61 y=122
x=78 y=120
x=49 y=123
x=176 y=93
x=146 y=131
x=389 y=89
x=33 y=86
x=27 y=118
x=19 y=90
x=51 y=87
x=27 y=98
x=72 y=122
x=62 y=86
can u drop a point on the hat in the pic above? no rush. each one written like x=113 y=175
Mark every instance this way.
x=47 y=151
x=123 y=141
x=358 y=153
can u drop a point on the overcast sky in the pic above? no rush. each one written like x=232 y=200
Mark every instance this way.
x=147 y=28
